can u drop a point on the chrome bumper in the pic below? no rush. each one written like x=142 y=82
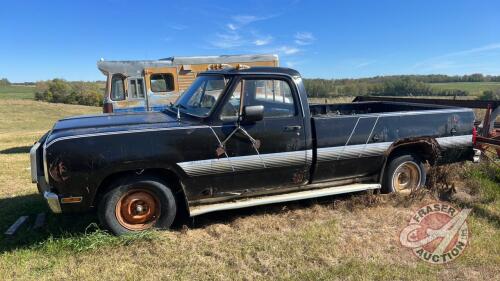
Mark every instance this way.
x=53 y=201
x=33 y=161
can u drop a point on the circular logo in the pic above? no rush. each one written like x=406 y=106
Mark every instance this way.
x=437 y=233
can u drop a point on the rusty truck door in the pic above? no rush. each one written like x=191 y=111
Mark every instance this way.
x=161 y=87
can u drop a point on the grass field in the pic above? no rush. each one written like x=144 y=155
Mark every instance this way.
x=17 y=92
x=474 y=88
x=351 y=237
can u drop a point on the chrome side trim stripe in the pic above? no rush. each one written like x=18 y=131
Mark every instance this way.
x=352 y=151
x=245 y=163
x=300 y=195
x=455 y=141
x=125 y=132
x=302 y=157
x=309 y=156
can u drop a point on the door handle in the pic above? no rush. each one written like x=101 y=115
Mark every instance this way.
x=292 y=128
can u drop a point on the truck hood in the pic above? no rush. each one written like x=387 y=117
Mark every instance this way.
x=104 y=123
x=110 y=120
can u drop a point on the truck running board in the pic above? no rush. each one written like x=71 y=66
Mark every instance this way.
x=264 y=200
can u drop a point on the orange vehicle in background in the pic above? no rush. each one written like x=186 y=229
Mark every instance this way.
x=151 y=85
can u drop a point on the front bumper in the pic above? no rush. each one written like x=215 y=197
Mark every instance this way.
x=38 y=177
x=53 y=201
x=49 y=196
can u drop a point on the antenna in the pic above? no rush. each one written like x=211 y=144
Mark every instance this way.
x=178 y=114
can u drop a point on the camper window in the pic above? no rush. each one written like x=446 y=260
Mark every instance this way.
x=162 y=83
x=136 y=89
x=117 y=87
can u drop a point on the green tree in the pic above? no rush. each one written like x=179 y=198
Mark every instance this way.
x=4 y=82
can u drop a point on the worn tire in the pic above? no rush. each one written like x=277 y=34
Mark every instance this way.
x=114 y=202
x=395 y=164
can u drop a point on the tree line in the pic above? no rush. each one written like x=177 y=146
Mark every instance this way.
x=393 y=85
x=429 y=78
x=379 y=86
x=4 y=82
x=62 y=91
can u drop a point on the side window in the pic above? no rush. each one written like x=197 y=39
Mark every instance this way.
x=275 y=95
x=117 y=87
x=232 y=106
x=136 y=88
x=273 y=90
x=162 y=83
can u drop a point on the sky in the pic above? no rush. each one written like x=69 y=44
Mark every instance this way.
x=42 y=40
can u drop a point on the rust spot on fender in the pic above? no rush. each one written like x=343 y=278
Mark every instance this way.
x=298 y=177
x=58 y=171
x=431 y=147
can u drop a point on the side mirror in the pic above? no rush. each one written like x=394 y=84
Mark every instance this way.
x=252 y=113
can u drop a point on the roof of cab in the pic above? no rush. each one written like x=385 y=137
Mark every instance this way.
x=255 y=70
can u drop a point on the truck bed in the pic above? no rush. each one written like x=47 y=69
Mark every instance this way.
x=351 y=138
x=357 y=108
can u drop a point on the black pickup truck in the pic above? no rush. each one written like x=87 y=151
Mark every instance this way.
x=236 y=138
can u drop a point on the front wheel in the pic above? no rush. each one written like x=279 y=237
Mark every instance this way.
x=404 y=174
x=137 y=205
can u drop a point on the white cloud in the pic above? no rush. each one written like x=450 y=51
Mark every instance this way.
x=288 y=50
x=486 y=48
x=304 y=38
x=247 y=19
x=263 y=41
x=239 y=21
x=228 y=40
x=472 y=59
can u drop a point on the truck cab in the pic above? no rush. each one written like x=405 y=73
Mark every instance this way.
x=134 y=86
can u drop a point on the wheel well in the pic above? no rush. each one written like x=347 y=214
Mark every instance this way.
x=426 y=148
x=170 y=178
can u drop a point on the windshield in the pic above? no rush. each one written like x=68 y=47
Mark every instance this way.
x=201 y=96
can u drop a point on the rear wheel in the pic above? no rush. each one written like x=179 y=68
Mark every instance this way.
x=404 y=174
x=137 y=205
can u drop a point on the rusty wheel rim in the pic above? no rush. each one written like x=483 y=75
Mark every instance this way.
x=138 y=209
x=406 y=178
